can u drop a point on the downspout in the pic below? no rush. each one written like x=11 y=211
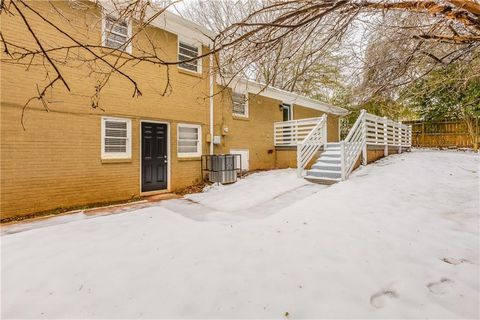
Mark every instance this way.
x=211 y=101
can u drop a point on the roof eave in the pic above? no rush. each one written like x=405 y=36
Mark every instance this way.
x=284 y=96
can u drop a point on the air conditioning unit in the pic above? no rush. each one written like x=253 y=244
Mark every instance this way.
x=222 y=168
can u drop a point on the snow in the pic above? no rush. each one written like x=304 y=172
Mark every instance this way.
x=251 y=191
x=400 y=239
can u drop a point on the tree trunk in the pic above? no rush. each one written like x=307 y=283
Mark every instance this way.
x=472 y=128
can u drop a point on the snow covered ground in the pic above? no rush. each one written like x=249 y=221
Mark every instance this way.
x=399 y=239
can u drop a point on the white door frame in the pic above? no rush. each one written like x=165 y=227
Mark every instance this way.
x=168 y=157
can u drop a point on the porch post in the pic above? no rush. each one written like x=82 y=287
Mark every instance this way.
x=299 y=160
x=400 y=131
x=385 y=136
x=342 y=160
x=364 y=151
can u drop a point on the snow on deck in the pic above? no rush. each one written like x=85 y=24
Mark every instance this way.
x=399 y=239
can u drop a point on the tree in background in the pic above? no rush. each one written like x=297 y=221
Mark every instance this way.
x=296 y=64
x=415 y=37
x=449 y=93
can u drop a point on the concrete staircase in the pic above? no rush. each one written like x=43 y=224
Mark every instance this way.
x=328 y=168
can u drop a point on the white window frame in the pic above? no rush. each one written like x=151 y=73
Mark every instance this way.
x=128 y=48
x=199 y=52
x=290 y=109
x=244 y=115
x=117 y=155
x=199 y=142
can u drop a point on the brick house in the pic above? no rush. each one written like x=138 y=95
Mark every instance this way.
x=75 y=155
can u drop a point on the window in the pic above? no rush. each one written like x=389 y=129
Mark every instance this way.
x=189 y=140
x=187 y=52
x=240 y=104
x=116 y=138
x=287 y=112
x=116 y=33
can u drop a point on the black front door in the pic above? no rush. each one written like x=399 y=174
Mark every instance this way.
x=154 y=156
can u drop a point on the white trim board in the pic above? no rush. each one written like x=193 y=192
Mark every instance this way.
x=282 y=95
x=199 y=143
x=242 y=152
x=128 y=141
x=199 y=53
x=173 y=23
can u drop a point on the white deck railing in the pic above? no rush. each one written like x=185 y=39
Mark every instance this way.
x=372 y=130
x=290 y=133
x=309 y=146
x=383 y=131
x=353 y=144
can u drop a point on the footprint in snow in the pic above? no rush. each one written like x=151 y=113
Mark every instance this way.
x=379 y=299
x=440 y=287
x=455 y=261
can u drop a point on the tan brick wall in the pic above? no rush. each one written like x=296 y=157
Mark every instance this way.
x=333 y=128
x=56 y=161
x=333 y=123
x=374 y=153
x=256 y=133
x=286 y=158
x=300 y=112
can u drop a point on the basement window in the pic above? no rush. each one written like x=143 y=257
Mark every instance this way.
x=116 y=138
x=189 y=140
x=187 y=52
x=116 y=33
x=239 y=104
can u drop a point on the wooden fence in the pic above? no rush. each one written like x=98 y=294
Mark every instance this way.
x=446 y=134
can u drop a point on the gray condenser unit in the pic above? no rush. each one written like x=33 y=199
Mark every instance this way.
x=222 y=168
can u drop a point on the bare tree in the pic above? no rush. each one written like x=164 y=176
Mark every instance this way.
x=295 y=66
x=75 y=48
x=264 y=41
x=435 y=33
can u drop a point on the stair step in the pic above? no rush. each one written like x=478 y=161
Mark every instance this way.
x=332 y=148
x=327 y=166
x=322 y=180
x=324 y=173
x=329 y=153
x=328 y=160
x=333 y=144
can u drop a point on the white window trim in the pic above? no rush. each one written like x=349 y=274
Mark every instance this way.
x=128 y=49
x=199 y=52
x=117 y=155
x=199 y=143
x=291 y=110
x=247 y=108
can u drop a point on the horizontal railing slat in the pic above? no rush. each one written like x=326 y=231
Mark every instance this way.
x=291 y=133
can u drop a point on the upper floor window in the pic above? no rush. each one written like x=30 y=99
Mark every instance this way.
x=187 y=52
x=240 y=104
x=116 y=138
x=116 y=33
